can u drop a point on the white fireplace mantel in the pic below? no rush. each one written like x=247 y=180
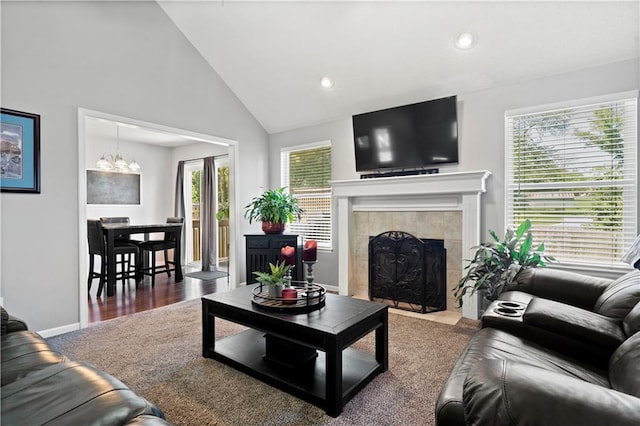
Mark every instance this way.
x=436 y=192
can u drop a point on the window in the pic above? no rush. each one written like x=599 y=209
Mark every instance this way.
x=306 y=171
x=571 y=170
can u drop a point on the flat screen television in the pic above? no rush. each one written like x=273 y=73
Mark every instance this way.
x=415 y=136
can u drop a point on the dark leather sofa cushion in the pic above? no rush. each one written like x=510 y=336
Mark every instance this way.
x=72 y=393
x=619 y=297
x=490 y=343
x=631 y=323
x=24 y=352
x=573 y=322
x=516 y=296
x=566 y=287
x=624 y=367
x=4 y=319
x=499 y=392
x=10 y=323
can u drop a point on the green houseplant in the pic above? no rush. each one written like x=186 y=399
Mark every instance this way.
x=274 y=208
x=497 y=263
x=223 y=211
x=276 y=278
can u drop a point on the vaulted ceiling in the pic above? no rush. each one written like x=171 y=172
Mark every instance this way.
x=384 y=54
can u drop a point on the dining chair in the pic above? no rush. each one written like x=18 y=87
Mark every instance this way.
x=169 y=242
x=98 y=247
x=121 y=239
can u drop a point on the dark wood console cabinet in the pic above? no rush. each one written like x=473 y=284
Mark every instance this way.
x=263 y=248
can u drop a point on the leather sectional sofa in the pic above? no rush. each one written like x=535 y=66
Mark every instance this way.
x=42 y=386
x=557 y=348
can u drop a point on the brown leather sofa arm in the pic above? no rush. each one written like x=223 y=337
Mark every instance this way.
x=499 y=392
x=562 y=286
x=576 y=323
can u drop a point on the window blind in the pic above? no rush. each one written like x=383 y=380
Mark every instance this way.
x=306 y=172
x=572 y=172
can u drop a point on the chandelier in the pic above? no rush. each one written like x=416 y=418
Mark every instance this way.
x=117 y=162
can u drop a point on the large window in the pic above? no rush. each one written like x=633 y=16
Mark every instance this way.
x=306 y=172
x=571 y=170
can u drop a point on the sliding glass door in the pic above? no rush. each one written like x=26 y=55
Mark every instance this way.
x=193 y=237
x=193 y=172
x=222 y=210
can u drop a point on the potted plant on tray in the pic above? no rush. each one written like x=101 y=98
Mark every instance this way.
x=276 y=278
x=274 y=208
x=497 y=263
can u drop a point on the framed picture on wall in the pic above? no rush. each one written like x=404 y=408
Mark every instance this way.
x=20 y=151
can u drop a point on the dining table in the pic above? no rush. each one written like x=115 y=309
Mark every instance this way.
x=113 y=230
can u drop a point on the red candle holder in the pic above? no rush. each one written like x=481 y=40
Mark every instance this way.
x=289 y=296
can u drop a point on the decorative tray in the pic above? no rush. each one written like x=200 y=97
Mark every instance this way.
x=309 y=297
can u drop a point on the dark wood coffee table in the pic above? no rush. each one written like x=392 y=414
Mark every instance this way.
x=306 y=355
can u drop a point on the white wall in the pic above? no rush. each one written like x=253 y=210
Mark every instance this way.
x=340 y=134
x=156 y=201
x=197 y=151
x=481 y=131
x=123 y=58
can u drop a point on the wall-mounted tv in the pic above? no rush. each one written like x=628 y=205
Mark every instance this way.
x=415 y=136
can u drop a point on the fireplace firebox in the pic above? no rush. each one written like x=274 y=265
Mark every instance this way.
x=407 y=272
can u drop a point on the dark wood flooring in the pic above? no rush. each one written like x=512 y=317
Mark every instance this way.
x=129 y=299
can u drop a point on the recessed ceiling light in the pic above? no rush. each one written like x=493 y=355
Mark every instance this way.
x=326 y=82
x=465 y=40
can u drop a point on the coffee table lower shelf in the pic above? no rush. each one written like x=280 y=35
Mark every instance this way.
x=245 y=352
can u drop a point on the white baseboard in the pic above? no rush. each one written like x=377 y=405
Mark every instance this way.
x=331 y=288
x=59 y=330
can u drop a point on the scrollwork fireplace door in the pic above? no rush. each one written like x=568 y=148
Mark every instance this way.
x=407 y=272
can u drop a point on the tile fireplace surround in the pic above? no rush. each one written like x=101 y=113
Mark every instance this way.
x=443 y=206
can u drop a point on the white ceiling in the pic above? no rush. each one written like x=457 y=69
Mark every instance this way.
x=384 y=54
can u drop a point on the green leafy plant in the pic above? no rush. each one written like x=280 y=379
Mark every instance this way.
x=277 y=274
x=497 y=263
x=223 y=211
x=274 y=205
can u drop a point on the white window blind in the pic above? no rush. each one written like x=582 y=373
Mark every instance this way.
x=572 y=172
x=306 y=172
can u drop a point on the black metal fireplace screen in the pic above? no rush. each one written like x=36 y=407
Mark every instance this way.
x=407 y=272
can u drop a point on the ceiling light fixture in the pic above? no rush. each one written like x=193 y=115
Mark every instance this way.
x=117 y=162
x=326 y=82
x=465 y=40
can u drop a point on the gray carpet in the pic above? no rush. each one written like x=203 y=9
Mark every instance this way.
x=159 y=355
x=206 y=275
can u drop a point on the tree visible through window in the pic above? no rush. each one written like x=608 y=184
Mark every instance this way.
x=572 y=172
x=306 y=172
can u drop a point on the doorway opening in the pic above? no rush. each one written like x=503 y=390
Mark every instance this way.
x=156 y=201
x=193 y=174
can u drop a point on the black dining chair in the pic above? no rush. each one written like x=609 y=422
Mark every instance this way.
x=121 y=239
x=98 y=247
x=169 y=242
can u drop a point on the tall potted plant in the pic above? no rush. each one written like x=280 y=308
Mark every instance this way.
x=497 y=263
x=274 y=208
